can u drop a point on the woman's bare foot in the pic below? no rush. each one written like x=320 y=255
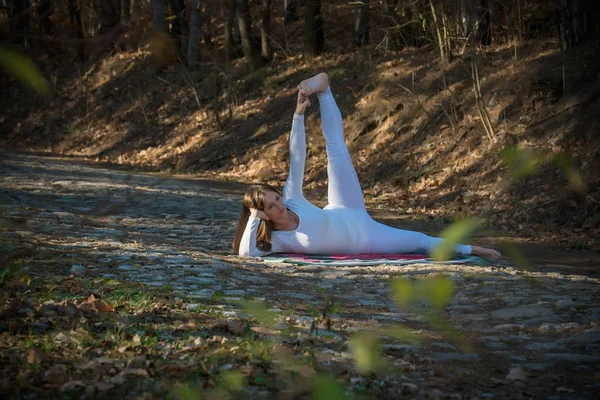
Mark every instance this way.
x=490 y=254
x=316 y=84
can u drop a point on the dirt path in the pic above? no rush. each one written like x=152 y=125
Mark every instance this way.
x=532 y=333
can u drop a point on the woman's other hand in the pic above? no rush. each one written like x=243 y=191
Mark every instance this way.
x=254 y=213
x=302 y=103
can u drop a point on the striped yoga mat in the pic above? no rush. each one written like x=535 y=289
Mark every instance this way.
x=367 y=259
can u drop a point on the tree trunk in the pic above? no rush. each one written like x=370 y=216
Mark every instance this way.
x=207 y=28
x=232 y=49
x=21 y=20
x=229 y=44
x=132 y=8
x=44 y=10
x=361 y=26
x=179 y=28
x=392 y=25
x=250 y=47
x=125 y=10
x=75 y=16
x=159 y=16
x=576 y=20
x=481 y=22
x=265 y=29
x=109 y=13
x=314 y=39
x=291 y=11
x=194 y=37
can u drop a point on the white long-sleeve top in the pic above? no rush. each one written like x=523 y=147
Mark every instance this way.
x=319 y=231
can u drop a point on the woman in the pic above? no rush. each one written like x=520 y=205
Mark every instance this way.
x=274 y=223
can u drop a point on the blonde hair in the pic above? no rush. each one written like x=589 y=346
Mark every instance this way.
x=255 y=198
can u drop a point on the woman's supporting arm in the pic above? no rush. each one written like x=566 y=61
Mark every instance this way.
x=295 y=180
x=248 y=242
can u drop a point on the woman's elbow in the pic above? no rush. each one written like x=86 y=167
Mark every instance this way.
x=250 y=253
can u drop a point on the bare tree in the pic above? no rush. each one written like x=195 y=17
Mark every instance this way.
x=44 y=10
x=361 y=26
x=20 y=21
x=131 y=8
x=250 y=47
x=481 y=22
x=179 y=26
x=265 y=29
x=109 y=14
x=75 y=16
x=194 y=36
x=314 y=39
x=230 y=46
x=291 y=11
x=159 y=16
x=577 y=21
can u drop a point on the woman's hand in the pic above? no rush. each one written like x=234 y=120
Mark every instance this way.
x=302 y=103
x=254 y=213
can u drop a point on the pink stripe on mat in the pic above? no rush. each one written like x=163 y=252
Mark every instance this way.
x=362 y=256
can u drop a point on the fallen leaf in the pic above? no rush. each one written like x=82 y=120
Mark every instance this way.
x=34 y=356
x=25 y=279
x=324 y=357
x=437 y=393
x=263 y=330
x=73 y=385
x=372 y=323
x=235 y=327
x=95 y=363
x=517 y=374
x=57 y=374
x=134 y=371
x=101 y=307
x=563 y=389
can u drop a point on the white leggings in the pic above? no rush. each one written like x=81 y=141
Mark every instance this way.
x=344 y=190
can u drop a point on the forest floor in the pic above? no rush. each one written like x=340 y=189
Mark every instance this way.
x=124 y=284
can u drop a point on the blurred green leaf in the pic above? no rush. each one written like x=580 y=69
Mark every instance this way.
x=442 y=325
x=185 y=392
x=327 y=388
x=9 y=272
x=260 y=312
x=366 y=351
x=521 y=162
x=23 y=68
x=336 y=308
x=313 y=311
x=437 y=290
x=401 y=333
x=454 y=235
x=233 y=380
x=403 y=291
x=566 y=163
x=516 y=255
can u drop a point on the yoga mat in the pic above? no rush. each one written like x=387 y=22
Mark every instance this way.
x=367 y=259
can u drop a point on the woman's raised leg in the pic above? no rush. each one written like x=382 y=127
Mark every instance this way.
x=343 y=188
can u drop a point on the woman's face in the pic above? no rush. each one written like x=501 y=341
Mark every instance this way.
x=274 y=206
